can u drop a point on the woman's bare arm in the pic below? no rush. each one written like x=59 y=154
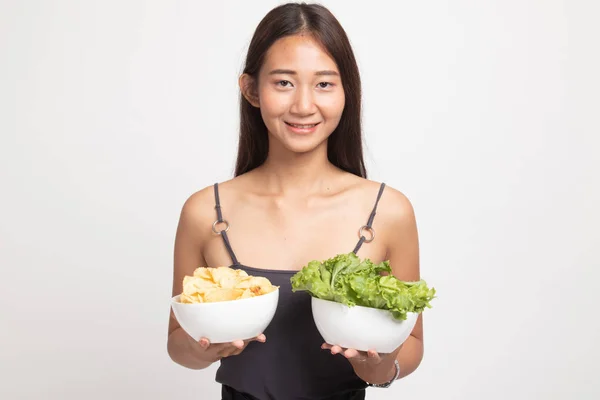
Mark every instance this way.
x=182 y=348
x=400 y=227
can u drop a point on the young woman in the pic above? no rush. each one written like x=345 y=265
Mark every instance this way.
x=300 y=193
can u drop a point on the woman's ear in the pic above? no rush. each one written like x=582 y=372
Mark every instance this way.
x=249 y=90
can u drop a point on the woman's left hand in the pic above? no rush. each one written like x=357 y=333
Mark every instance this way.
x=369 y=357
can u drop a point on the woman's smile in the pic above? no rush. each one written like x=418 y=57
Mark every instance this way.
x=302 y=129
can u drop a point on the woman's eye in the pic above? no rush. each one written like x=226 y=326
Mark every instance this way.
x=325 y=85
x=284 y=83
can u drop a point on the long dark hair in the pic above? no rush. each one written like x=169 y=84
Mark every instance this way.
x=344 y=147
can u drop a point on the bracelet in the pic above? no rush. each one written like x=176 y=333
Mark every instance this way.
x=389 y=383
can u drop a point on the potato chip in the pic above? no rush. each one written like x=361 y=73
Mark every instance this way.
x=226 y=277
x=247 y=294
x=267 y=289
x=203 y=273
x=221 y=294
x=192 y=285
x=209 y=284
x=196 y=298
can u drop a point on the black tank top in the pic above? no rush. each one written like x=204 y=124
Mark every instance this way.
x=290 y=364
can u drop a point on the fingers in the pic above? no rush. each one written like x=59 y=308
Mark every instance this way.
x=355 y=355
x=229 y=349
x=352 y=354
x=234 y=348
x=374 y=356
x=333 y=348
x=240 y=345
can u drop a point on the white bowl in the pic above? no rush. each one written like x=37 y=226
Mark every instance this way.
x=226 y=321
x=361 y=328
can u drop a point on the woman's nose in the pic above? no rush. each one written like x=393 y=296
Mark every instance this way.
x=304 y=102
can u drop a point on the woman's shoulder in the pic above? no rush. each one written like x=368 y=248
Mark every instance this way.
x=208 y=194
x=200 y=199
x=393 y=205
x=391 y=198
x=198 y=211
x=200 y=205
x=394 y=219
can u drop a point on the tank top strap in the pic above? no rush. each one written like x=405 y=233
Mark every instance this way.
x=222 y=232
x=369 y=226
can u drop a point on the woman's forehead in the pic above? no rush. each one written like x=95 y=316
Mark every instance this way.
x=299 y=53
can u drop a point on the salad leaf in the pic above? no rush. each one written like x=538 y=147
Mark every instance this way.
x=349 y=280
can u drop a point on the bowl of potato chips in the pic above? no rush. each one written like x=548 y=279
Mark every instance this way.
x=224 y=304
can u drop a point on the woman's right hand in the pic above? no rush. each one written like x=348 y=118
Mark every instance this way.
x=215 y=352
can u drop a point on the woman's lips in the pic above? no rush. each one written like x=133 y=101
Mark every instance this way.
x=302 y=128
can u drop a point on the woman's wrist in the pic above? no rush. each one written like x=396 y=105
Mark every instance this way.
x=187 y=352
x=380 y=373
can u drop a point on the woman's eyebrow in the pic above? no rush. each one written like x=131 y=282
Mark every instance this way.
x=292 y=72
x=327 y=73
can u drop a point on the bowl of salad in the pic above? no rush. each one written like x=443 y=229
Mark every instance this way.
x=355 y=304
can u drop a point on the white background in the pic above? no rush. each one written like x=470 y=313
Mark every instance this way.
x=484 y=113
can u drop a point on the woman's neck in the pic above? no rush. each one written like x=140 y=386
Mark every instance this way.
x=297 y=174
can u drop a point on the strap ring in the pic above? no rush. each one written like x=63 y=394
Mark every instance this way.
x=368 y=229
x=214 y=226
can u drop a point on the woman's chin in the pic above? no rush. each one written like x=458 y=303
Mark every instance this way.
x=304 y=146
x=297 y=144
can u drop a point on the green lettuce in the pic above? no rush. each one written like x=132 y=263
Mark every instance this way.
x=349 y=280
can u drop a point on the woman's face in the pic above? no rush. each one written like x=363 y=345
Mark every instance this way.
x=300 y=93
